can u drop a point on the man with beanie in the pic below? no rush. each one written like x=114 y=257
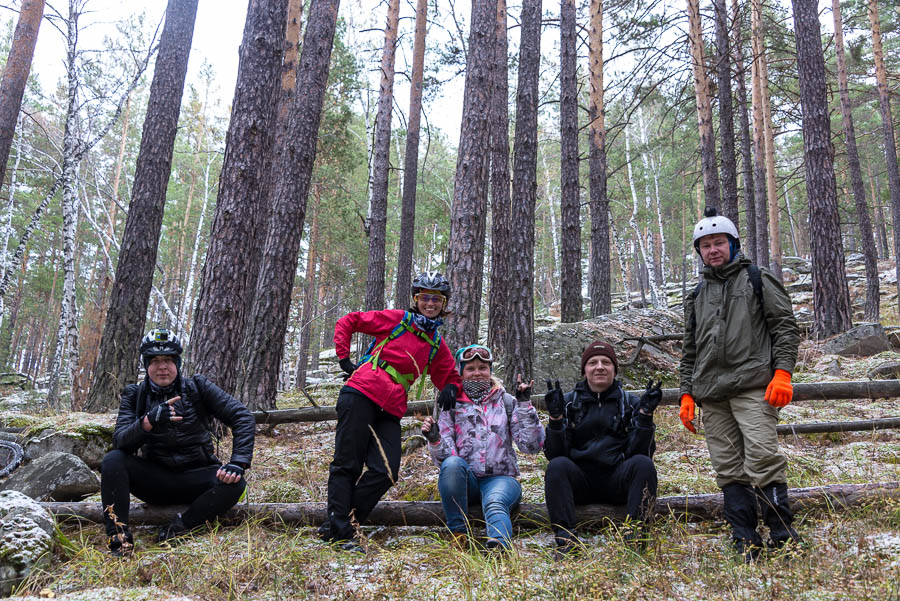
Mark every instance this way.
x=599 y=441
x=167 y=419
x=740 y=346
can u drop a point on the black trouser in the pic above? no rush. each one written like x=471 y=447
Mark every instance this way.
x=122 y=475
x=355 y=446
x=566 y=484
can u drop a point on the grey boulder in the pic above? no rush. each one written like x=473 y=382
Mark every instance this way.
x=863 y=340
x=26 y=536
x=55 y=476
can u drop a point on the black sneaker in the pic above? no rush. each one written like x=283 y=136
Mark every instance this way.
x=121 y=544
x=351 y=546
x=172 y=531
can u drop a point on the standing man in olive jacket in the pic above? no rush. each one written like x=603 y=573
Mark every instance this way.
x=600 y=440
x=167 y=419
x=740 y=346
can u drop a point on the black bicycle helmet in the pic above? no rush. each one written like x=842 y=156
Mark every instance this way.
x=158 y=342
x=431 y=280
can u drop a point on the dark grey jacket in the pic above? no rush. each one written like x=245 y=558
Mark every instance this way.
x=186 y=444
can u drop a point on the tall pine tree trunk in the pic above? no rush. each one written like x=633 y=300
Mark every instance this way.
x=117 y=361
x=411 y=162
x=726 y=113
x=15 y=74
x=467 y=216
x=704 y=110
x=307 y=306
x=749 y=239
x=295 y=155
x=221 y=313
x=859 y=189
x=831 y=297
x=377 y=221
x=600 y=285
x=887 y=125
x=570 y=218
x=771 y=192
x=501 y=245
x=520 y=341
x=759 y=137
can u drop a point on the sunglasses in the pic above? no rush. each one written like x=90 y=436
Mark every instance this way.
x=430 y=298
x=475 y=351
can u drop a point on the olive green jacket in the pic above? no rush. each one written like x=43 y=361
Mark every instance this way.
x=736 y=344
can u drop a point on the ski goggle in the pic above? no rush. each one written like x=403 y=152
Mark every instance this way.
x=430 y=298
x=474 y=351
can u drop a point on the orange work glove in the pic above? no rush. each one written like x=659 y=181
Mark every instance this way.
x=687 y=412
x=780 y=392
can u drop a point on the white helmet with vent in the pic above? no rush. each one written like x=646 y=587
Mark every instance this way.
x=713 y=223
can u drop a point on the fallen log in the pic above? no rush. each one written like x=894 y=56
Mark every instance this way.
x=819 y=391
x=863 y=425
x=429 y=513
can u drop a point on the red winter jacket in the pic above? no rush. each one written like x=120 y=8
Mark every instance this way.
x=407 y=353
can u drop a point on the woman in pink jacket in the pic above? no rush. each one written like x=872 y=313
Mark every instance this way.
x=473 y=445
x=407 y=346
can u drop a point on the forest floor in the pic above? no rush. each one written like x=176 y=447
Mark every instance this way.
x=847 y=553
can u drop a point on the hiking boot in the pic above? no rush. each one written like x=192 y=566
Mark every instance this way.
x=777 y=514
x=172 y=531
x=351 y=546
x=460 y=540
x=324 y=531
x=121 y=544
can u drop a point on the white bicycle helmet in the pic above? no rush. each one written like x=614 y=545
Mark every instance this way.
x=713 y=223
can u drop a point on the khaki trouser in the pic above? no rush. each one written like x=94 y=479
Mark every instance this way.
x=742 y=441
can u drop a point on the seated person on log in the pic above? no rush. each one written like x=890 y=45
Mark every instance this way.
x=407 y=346
x=167 y=419
x=472 y=444
x=738 y=354
x=600 y=440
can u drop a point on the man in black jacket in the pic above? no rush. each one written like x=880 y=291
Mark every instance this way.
x=599 y=441
x=167 y=418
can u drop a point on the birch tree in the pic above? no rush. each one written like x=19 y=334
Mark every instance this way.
x=655 y=293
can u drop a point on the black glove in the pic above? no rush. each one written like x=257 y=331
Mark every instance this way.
x=555 y=401
x=233 y=469
x=159 y=415
x=433 y=435
x=447 y=399
x=348 y=366
x=523 y=395
x=651 y=397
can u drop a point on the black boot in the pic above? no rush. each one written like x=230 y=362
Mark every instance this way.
x=776 y=511
x=121 y=544
x=740 y=513
x=173 y=531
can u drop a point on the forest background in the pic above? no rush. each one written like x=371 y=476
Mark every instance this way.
x=58 y=280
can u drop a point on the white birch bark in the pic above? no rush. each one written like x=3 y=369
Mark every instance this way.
x=619 y=253
x=554 y=232
x=652 y=164
x=6 y=220
x=639 y=238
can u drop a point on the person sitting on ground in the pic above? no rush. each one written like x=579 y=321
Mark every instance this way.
x=739 y=350
x=472 y=444
x=600 y=440
x=167 y=418
x=407 y=346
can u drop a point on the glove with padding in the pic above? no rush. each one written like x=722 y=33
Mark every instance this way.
x=687 y=412
x=554 y=399
x=233 y=469
x=447 y=398
x=651 y=397
x=780 y=391
x=162 y=413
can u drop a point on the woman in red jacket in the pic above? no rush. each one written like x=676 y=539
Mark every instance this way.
x=369 y=407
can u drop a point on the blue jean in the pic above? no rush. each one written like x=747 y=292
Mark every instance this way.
x=499 y=495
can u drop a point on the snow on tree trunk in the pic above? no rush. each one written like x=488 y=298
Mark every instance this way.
x=887 y=128
x=223 y=302
x=470 y=189
x=600 y=260
x=831 y=297
x=651 y=168
x=571 y=309
x=377 y=221
x=15 y=74
x=295 y=155
x=859 y=190
x=620 y=254
x=6 y=219
x=117 y=359
x=520 y=341
x=411 y=161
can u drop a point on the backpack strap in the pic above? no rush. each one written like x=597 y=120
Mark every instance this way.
x=406 y=380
